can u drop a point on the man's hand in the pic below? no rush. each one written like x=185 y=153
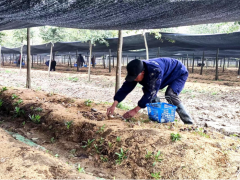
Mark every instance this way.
x=112 y=108
x=131 y=113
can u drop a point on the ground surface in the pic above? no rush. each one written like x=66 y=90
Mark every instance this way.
x=73 y=133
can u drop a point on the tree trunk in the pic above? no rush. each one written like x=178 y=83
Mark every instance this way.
x=223 y=63
x=146 y=45
x=113 y=61
x=70 y=60
x=193 y=64
x=202 y=64
x=110 y=60
x=216 y=76
x=119 y=56
x=28 y=83
x=228 y=62
x=187 y=61
x=32 y=60
x=77 y=61
x=104 y=66
x=49 y=66
x=89 y=64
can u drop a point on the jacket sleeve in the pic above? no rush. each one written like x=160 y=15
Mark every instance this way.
x=126 y=88
x=151 y=91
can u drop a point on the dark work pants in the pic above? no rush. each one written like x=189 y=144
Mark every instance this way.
x=52 y=68
x=172 y=97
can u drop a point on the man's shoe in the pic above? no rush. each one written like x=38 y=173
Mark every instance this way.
x=185 y=117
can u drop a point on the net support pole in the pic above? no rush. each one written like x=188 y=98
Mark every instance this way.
x=89 y=60
x=28 y=82
x=119 y=57
x=193 y=63
x=223 y=63
x=21 y=53
x=216 y=75
x=77 y=61
x=110 y=60
x=187 y=61
x=146 y=45
x=202 y=64
x=49 y=65
x=238 y=67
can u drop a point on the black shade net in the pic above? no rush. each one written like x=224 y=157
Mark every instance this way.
x=115 y=14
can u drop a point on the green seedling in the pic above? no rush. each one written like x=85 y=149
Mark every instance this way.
x=214 y=93
x=88 y=102
x=109 y=145
x=23 y=123
x=156 y=157
x=118 y=139
x=80 y=169
x=104 y=159
x=97 y=148
x=89 y=142
x=52 y=140
x=1 y=103
x=121 y=156
x=175 y=137
x=4 y=89
x=101 y=129
x=56 y=155
x=156 y=175
x=73 y=79
x=101 y=141
x=35 y=118
x=200 y=131
x=31 y=108
x=14 y=96
x=18 y=112
x=148 y=155
x=38 y=109
x=68 y=124
x=123 y=106
x=18 y=102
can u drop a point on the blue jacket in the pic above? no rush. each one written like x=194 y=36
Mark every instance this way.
x=159 y=73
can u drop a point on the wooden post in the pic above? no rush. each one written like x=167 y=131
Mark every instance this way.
x=0 y=56
x=78 y=63
x=238 y=67
x=21 y=59
x=216 y=76
x=113 y=61
x=32 y=60
x=187 y=61
x=193 y=64
x=202 y=64
x=49 y=66
x=28 y=83
x=146 y=45
x=70 y=60
x=110 y=60
x=119 y=56
x=223 y=63
x=89 y=64
x=104 y=65
x=37 y=59
x=40 y=59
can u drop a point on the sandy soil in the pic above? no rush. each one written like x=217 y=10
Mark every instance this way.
x=200 y=153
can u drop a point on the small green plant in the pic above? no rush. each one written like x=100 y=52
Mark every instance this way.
x=109 y=145
x=148 y=155
x=4 y=89
x=18 y=102
x=123 y=106
x=234 y=135
x=156 y=157
x=118 y=139
x=103 y=159
x=68 y=124
x=56 y=155
x=200 y=131
x=52 y=140
x=175 y=137
x=35 y=118
x=214 y=93
x=1 y=103
x=23 y=123
x=101 y=129
x=14 y=96
x=38 y=109
x=97 y=148
x=121 y=156
x=73 y=79
x=156 y=175
x=18 y=112
x=88 y=143
x=101 y=141
x=88 y=102
x=80 y=169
